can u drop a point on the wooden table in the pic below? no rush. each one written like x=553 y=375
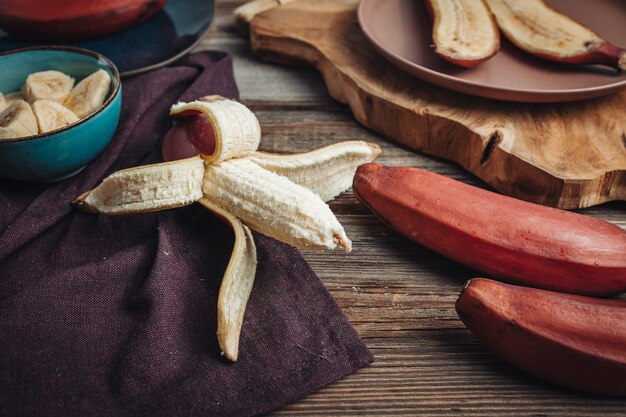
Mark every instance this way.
x=399 y=296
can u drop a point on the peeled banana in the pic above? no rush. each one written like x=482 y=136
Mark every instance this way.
x=3 y=102
x=47 y=85
x=238 y=185
x=52 y=115
x=17 y=121
x=89 y=94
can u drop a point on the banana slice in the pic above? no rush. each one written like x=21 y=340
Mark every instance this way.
x=273 y=205
x=326 y=171
x=89 y=94
x=17 y=121
x=236 y=283
x=146 y=188
x=16 y=96
x=464 y=31
x=52 y=115
x=47 y=85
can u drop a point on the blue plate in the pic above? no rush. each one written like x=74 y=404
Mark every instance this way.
x=168 y=36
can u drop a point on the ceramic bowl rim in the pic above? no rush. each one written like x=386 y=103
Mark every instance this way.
x=81 y=51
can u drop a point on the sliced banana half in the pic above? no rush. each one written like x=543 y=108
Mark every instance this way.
x=464 y=31
x=47 y=85
x=17 y=120
x=89 y=94
x=537 y=28
x=52 y=115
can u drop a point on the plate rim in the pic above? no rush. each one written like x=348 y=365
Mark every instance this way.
x=152 y=66
x=469 y=87
x=172 y=59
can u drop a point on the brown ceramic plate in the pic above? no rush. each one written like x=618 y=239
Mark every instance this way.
x=401 y=31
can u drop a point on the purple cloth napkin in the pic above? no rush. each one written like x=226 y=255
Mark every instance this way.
x=116 y=316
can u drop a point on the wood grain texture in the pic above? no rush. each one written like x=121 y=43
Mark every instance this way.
x=399 y=296
x=568 y=155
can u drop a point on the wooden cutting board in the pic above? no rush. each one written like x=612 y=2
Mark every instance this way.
x=567 y=155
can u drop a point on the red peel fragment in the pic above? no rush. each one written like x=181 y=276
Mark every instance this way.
x=191 y=134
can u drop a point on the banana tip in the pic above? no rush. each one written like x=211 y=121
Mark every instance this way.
x=344 y=242
x=376 y=150
x=229 y=342
x=82 y=205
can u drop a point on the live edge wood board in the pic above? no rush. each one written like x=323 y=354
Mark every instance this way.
x=567 y=155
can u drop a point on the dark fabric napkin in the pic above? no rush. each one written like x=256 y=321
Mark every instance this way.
x=116 y=316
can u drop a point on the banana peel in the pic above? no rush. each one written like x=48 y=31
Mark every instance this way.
x=282 y=196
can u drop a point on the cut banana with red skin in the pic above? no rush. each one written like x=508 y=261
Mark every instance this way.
x=464 y=31
x=233 y=183
x=544 y=32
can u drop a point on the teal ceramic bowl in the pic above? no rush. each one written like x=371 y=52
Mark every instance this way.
x=61 y=153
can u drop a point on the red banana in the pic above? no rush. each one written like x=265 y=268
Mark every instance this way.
x=65 y=20
x=574 y=341
x=507 y=238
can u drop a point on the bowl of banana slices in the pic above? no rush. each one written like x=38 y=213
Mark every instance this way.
x=59 y=108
